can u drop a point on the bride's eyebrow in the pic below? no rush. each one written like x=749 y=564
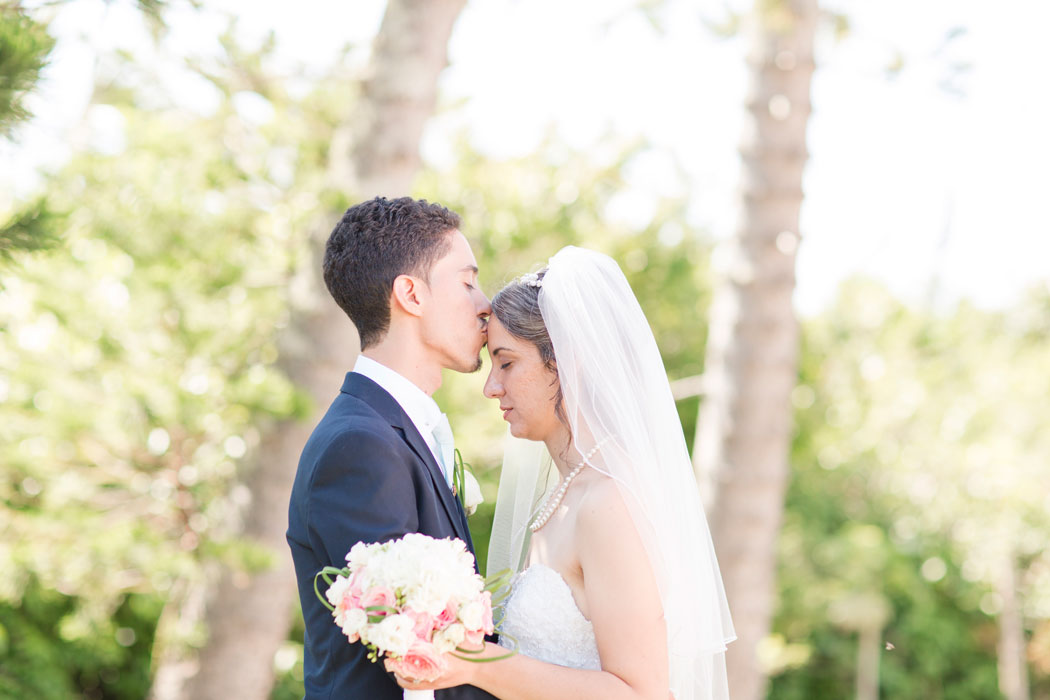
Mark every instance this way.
x=497 y=351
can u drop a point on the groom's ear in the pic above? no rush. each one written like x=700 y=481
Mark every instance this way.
x=408 y=294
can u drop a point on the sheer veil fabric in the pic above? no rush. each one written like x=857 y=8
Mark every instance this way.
x=616 y=394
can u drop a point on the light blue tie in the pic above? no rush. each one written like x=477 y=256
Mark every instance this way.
x=446 y=443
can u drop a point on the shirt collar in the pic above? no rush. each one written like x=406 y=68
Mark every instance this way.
x=421 y=408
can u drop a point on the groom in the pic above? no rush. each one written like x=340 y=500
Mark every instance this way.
x=379 y=464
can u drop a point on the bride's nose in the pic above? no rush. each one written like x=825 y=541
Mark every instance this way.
x=493 y=389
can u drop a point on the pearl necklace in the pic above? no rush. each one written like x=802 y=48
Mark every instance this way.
x=555 y=500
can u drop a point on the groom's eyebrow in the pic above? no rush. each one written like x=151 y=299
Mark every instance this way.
x=470 y=268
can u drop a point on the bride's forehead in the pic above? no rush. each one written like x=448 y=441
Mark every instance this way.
x=500 y=339
x=498 y=329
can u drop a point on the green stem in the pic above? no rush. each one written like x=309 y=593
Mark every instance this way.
x=326 y=573
x=510 y=653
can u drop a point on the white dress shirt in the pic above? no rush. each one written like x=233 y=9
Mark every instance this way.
x=421 y=408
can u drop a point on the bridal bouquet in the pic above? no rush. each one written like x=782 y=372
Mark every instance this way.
x=412 y=600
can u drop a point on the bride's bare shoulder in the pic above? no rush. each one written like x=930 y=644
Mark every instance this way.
x=606 y=538
x=602 y=510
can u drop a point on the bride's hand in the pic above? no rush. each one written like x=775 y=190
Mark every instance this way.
x=458 y=672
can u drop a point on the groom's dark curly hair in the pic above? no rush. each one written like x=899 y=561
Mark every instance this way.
x=374 y=243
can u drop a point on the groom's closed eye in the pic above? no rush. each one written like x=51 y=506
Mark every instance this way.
x=471 y=277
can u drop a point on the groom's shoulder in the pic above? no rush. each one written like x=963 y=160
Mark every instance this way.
x=347 y=443
x=350 y=418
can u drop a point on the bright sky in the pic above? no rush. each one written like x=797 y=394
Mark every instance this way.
x=908 y=180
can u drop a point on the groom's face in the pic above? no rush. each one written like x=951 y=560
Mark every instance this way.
x=457 y=310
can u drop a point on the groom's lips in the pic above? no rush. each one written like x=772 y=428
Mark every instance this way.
x=505 y=412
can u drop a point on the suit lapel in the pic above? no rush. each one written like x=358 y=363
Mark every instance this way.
x=384 y=404
x=451 y=503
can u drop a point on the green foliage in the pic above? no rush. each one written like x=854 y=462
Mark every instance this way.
x=139 y=366
x=24 y=49
x=43 y=655
x=34 y=227
x=25 y=46
x=922 y=434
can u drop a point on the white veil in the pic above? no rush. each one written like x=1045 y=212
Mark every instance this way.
x=616 y=395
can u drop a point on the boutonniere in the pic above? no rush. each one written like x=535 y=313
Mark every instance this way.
x=465 y=486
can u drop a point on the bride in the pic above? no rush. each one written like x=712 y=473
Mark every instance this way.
x=620 y=594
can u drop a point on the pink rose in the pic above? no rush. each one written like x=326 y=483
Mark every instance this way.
x=486 y=616
x=473 y=639
x=352 y=594
x=377 y=595
x=424 y=624
x=421 y=663
x=448 y=615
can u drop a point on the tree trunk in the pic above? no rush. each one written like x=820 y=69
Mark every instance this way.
x=745 y=423
x=868 y=651
x=1013 y=667
x=249 y=616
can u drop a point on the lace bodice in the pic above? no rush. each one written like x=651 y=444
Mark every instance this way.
x=542 y=615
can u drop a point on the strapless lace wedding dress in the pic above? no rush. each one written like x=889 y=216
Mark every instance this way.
x=542 y=615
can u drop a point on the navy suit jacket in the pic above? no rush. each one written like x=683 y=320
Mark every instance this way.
x=365 y=475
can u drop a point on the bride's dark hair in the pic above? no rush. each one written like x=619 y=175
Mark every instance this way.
x=517 y=307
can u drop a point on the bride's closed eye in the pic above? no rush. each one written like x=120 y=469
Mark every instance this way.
x=505 y=365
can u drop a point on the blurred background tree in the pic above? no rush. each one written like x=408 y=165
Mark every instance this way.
x=24 y=49
x=742 y=438
x=25 y=46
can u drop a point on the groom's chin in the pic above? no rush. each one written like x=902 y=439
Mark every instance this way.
x=467 y=366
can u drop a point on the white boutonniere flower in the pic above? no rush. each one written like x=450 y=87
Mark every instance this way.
x=465 y=487
x=472 y=497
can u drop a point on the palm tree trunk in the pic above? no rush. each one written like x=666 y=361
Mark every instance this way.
x=744 y=427
x=248 y=616
x=1013 y=667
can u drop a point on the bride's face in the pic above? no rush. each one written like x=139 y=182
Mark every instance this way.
x=525 y=387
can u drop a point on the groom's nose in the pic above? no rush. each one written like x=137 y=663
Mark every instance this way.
x=484 y=308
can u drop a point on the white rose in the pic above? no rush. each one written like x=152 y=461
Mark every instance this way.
x=335 y=592
x=472 y=497
x=470 y=615
x=353 y=621
x=442 y=645
x=394 y=634
x=449 y=638
x=455 y=633
x=469 y=585
x=360 y=554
